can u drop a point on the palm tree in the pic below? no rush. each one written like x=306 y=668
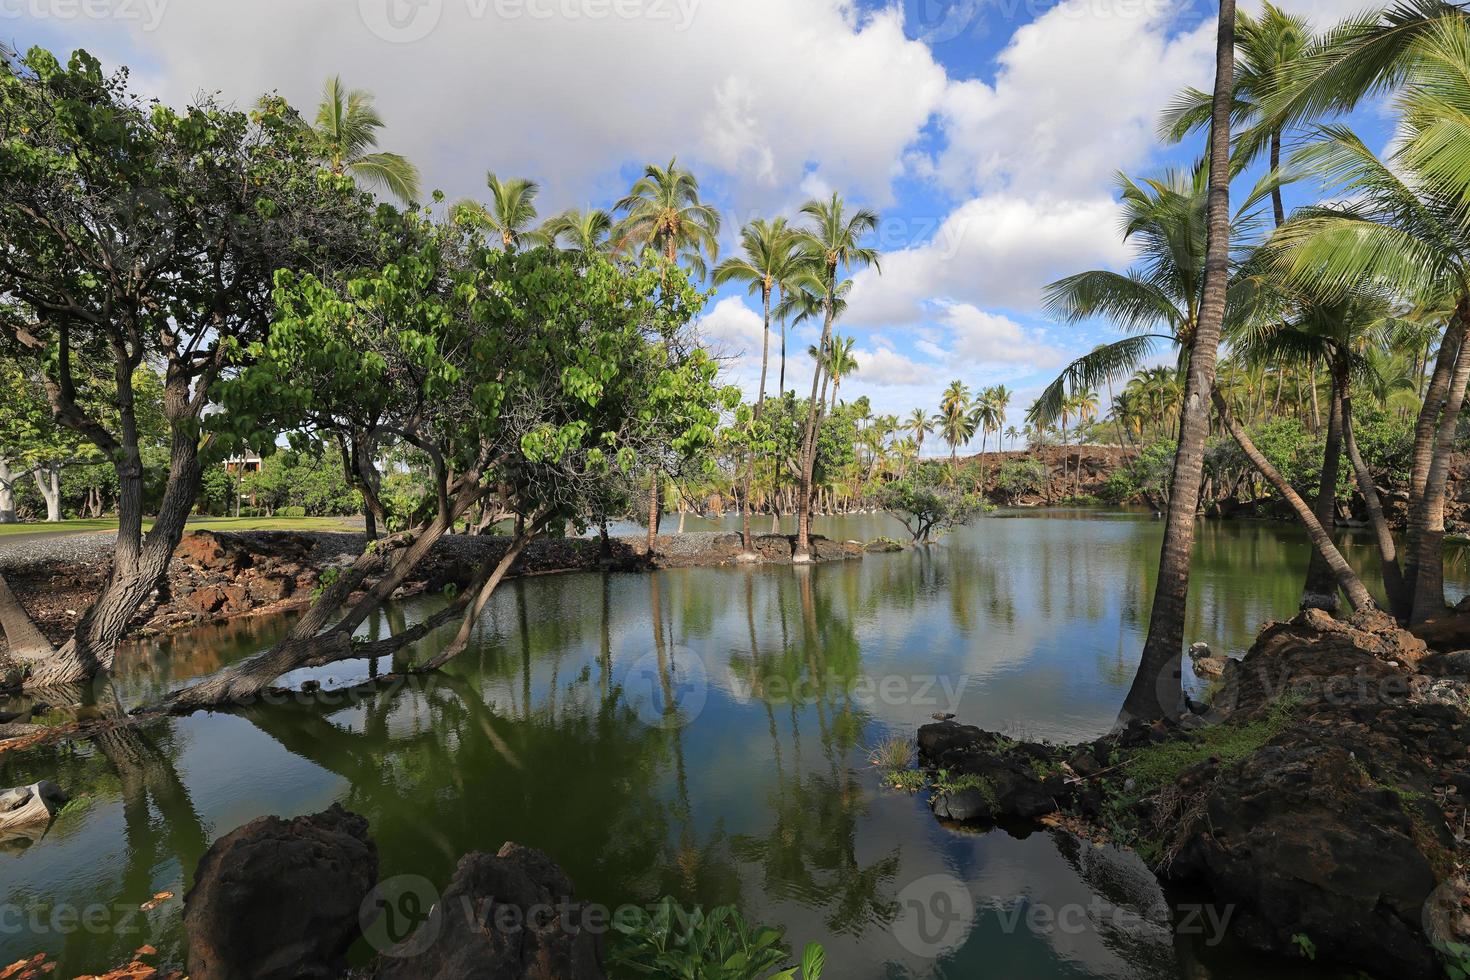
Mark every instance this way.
x=1405 y=226
x=1011 y=436
x=345 y=133
x=956 y=425
x=511 y=212
x=588 y=231
x=1267 y=49
x=832 y=243
x=1161 y=299
x=840 y=363
x=1156 y=689
x=663 y=212
x=920 y=425
x=769 y=263
x=1363 y=56
x=1306 y=327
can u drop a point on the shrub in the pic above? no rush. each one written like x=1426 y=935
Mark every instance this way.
x=291 y=512
x=1018 y=477
x=695 y=945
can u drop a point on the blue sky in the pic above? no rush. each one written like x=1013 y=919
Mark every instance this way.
x=985 y=132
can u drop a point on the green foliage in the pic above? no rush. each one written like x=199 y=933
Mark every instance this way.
x=1154 y=767
x=1304 y=945
x=1147 y=475
x=672 y=942
x=301 y=483
x=1016 y=478
x=927 y=505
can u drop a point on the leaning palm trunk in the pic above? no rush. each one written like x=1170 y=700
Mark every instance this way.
x=1321 y=587
x=655 y=511
x=1343 y=575
x=1426 y=428
x=1157 y=690
x=1428 y=548
x=1393 y=576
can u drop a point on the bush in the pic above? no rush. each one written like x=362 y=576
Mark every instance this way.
x=718 y=945
x=927 y=506
x=1018 y=477
x=291 y=512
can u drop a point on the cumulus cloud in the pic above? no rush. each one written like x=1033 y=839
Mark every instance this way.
x=997 y=250
x=981 y=337
x=568 y=91
x=1076 y=97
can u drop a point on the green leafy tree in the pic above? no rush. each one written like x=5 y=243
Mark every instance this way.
x=532 y=376
x=138 y=234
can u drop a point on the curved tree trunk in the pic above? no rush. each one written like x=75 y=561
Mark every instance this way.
x=1320 y=591
x=1429 y=548
x=1343 y=574
x=1426 y=428
x=1157 y=689
x=1393 y=576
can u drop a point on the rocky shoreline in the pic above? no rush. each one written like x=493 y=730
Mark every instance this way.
x=218 y=576
x=1324 y=795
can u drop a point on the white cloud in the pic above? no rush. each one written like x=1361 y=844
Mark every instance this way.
x=886 y=367
x=980 y=337
x=1076 y=98
x=732 y=328
x=995 y=251
x=566 y=91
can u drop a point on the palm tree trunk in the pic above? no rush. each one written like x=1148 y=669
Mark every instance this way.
x=760 y=403
x=1393 y=576
x=1277 y=209
x=1425 y=437
x=1322 y=544
x=809 y=437
x=1429 y=567
x=1320 y=591
x=1157 y=690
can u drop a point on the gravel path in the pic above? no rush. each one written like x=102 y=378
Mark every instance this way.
x=19 y=550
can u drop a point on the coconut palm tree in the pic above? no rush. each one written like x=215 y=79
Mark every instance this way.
x=832 y=243
x=1406 y=226
x=345 y=134
x=511 y=212
x=588 y=231
x=840 y=363
x=919 y=424
x=1156 y=688
x=1267 y=48
x=1161 y=300
x=663 y=212
x=770 y=263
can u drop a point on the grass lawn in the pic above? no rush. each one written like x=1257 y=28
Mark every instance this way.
x=195 y=524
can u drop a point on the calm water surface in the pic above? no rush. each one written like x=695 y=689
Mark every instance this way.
x=698 y=732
